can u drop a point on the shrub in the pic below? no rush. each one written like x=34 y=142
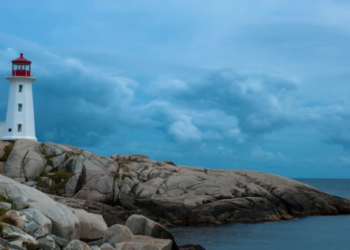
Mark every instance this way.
x=60 y=179
x=8 y=219
x=7 y=150
x=3 y=211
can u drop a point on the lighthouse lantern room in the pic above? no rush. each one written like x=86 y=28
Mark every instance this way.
x=19 y=122
x=21 y=66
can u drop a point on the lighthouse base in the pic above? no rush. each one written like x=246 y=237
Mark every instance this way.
x=11 y=138
x=2 y=129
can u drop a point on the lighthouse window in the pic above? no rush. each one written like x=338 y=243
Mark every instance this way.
x=19 y=107
x=19 y=127
x=10 y=129
x=20 y=88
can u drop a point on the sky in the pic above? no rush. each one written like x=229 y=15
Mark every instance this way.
x=260 y=85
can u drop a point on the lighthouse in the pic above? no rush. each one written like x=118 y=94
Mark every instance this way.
x=19 y=122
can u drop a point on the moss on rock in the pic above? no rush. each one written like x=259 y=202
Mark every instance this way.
x=60 y=179
x=8 y=150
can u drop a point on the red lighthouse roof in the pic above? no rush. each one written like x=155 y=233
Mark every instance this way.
x=21 y=60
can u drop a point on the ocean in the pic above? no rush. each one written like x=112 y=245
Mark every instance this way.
x=311 y=232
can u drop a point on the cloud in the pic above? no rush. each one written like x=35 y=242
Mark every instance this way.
x=225 y=150
x=330 y=120
x=259 y=102
x=335 y=130
x=259 y=153
x=184 y=132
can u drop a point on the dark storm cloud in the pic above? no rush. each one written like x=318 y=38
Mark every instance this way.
x=254 y=103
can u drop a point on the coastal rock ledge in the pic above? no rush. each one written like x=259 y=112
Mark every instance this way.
x=122 y=185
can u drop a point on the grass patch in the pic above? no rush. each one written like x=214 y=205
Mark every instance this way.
x=7 y=150
x=126 y=176
x=69 y=154
x=3 y=211
x=3 y=198
x=48 y=160
x=60 y=179
x=48 y=157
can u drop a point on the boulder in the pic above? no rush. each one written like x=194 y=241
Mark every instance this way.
x=106 y=246
x=48 y=243
x=24 y=161
x=20 y=203
x=59 y=241
x=141 y=225
x=5 y=205
x=9 y=246
x=32 y=228
x=18 y=237
x=118 y=233
x=160 y=244
x=92 y=226
x=14 y=189
x=58 y=160
x=134 y=246
x=35 y=220
x=77 y=245
x=33 y=164
x=111 y=215
x=64 y=223
x=16 y=218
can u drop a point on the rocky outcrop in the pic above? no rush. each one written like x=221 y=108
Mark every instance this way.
x=117 y=234
x=18 y=237
x=48 y=225
x=141 y=225
x=111 y=215
x=77 y=245
x=92 y=226
x=134 y=246
x=64 y=223
x=163 y=191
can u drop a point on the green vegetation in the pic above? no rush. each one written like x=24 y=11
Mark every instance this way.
x=126 y=176
x=4 y=198
x=60 y=179
x=3 y=211
x=7 y=150
x=1 y=228
x=69 y=154
x=48 y=159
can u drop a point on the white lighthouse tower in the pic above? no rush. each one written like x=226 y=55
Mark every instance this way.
x=20 y=122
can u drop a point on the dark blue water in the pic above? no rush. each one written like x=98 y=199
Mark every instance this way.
x=311 y=233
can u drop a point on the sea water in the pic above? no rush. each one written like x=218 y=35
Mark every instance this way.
x=309 y=233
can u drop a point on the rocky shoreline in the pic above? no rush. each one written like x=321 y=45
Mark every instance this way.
x=121 y=192
x=32 y=220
